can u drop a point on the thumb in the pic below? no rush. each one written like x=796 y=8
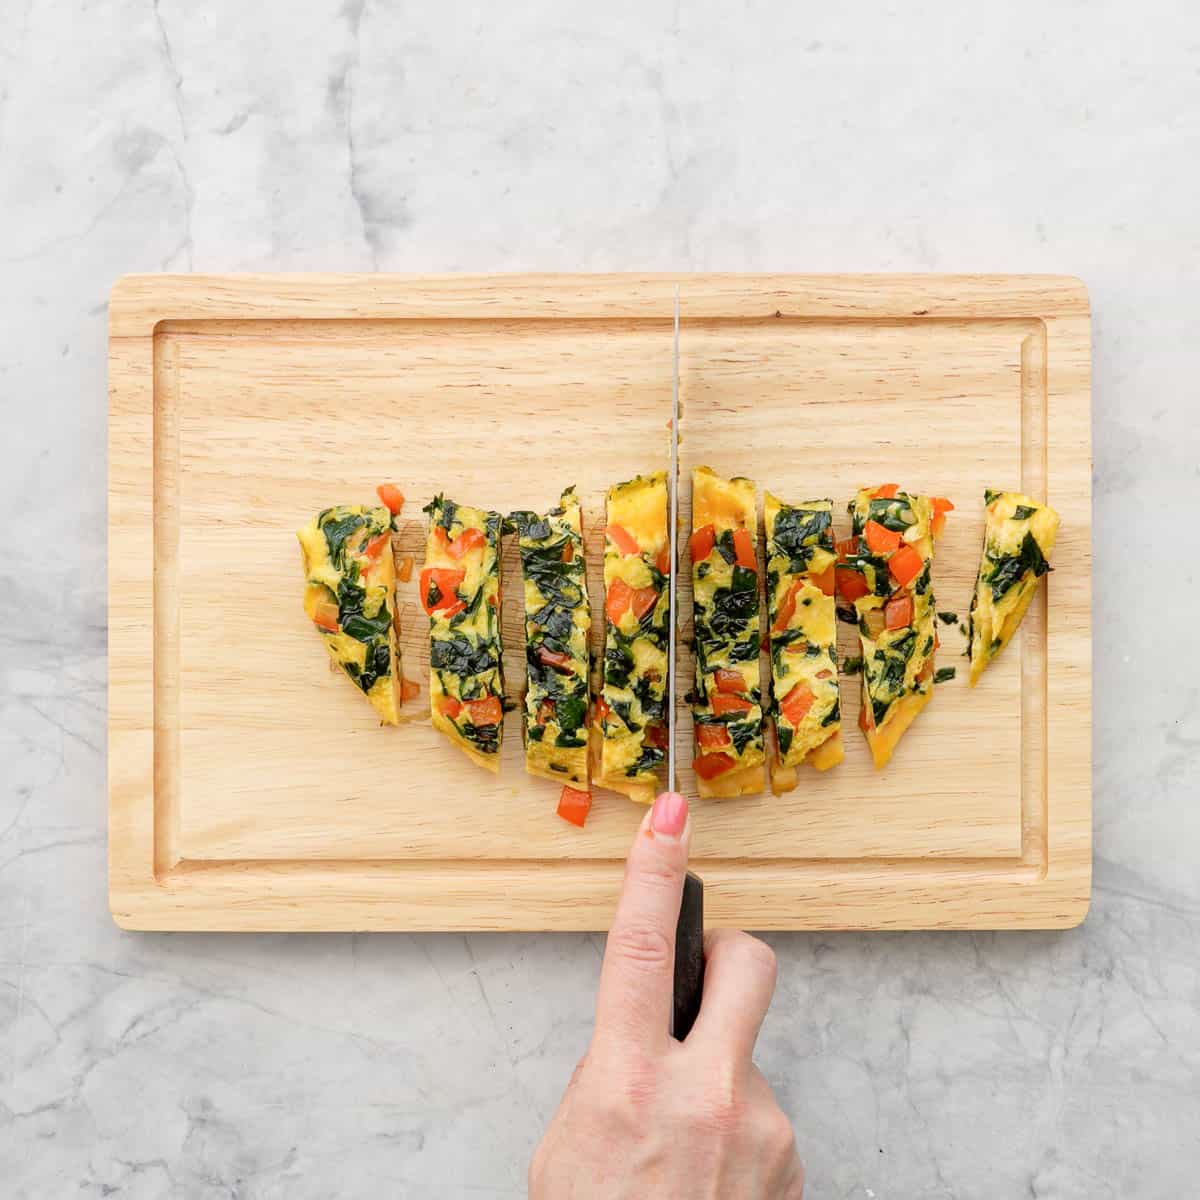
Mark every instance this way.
x=634 y=1001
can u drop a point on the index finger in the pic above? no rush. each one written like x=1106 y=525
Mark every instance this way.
x=633 y=1006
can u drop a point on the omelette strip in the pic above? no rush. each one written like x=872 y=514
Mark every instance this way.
x=630 y=733
x=350 y=580
x=1017 y=539
x=460 y=590
x=884 y=568
x=557 y=622
x=804 y=675
x=727 y=710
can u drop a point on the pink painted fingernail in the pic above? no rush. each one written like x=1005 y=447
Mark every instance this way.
x=669 y=815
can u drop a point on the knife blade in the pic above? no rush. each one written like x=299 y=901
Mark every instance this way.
x=689 y=929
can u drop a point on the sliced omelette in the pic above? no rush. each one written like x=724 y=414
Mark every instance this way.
x=350 y=579
x=727 y=702
x=630 y=733
x=804 y=676
x=460 y=590
x=884 y=568
x=557 y=623
x=1018 y=536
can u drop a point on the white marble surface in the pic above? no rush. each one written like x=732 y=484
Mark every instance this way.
x=158 y=134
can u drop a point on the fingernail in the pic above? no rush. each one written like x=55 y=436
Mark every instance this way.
x=669 y=814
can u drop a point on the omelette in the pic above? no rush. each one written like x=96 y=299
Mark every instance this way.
x=800 y=603
x=884 y=569
x=349 y=582
x=727 y=713
x=460 y=590
x=1018 y=536
x=630 y=734
x=557 y=624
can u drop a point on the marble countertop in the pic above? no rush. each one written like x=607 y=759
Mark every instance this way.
x=156 y=135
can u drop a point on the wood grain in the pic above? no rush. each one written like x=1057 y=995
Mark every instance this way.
x=250 y=788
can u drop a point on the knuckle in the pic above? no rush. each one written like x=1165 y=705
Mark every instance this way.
x=641 y=946
x=757 y=954
x=652 y=872
x=633 y=1098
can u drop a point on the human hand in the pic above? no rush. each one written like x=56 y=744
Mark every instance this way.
x=645 y=1116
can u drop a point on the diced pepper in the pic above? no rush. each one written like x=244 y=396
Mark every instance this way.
x=392 y=497
x=663 y=561
x=826 y=580
x=404 y=570
x=850 y=584
x=885 y=491
x=618 y=600
x=711 y=737
x=730 y=681
x=409 y=690
x=643 y=600
x=796 y=703
x=941 y=506
x=468 y=540
x=787 y=607
x=722 y=703
x=485 y=712
x=326 y=616
x=702 y=543
x=441 y=538
x=602 y=709
x=555 y=659
x=656 y=735
x=796 y=648
x=898 y=612
x=905 y=565
x=879 y=538
x=846 y=548
x=376 y=545
x=624 y=541
x=443 y=580
x=743 y=549
x=448 y=706
x=709 y=766
x=546 y=712
x=568 y=552
x=574 y=805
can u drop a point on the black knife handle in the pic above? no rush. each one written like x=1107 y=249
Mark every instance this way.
x=689 y=958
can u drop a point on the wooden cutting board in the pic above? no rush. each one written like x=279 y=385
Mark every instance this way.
x=251 y=788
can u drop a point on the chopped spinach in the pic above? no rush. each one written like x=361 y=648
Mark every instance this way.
x=942 y=674
x=834 y=714
x=650 y=758
x=797 y=532
x=462 y=657
x=742 y=733
x=894 y=514
x=485 y=738
x=947 y=618
x=1008 y=569
x=337 y=531
x=847 y=615
x=784 y=734
x=366 y=629
x=989 y=495
x=1023 y=512
x=852 y=665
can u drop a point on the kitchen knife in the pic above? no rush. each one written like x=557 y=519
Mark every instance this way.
x=689 y=929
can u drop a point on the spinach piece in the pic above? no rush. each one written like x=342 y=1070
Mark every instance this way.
x=556 y=618
x=732 y=607
x=651 y=758
x=742 y=733
x=529 y=526
x=1010 y=568
x=947 y=618
x=377 y=664
x=535 y=733
x=834 y=714
x=783 y=734
x=879 y=708
x=942 y=674
x=441 y=512
x=744 y=651
x=337 y=531
x=725 y=546
x=350 y=595
x=366 y=629
x=485 y=738
x=618 y=665
x=847 y=615
x=1023 y=512
x=624 y=710
x=559 y=767
x=702 y=570
x=652 y=706
x=989 y=495
x=894 y=514
x=798 y=530
x=461 y=656
x=570 y=712
x=852 y=665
